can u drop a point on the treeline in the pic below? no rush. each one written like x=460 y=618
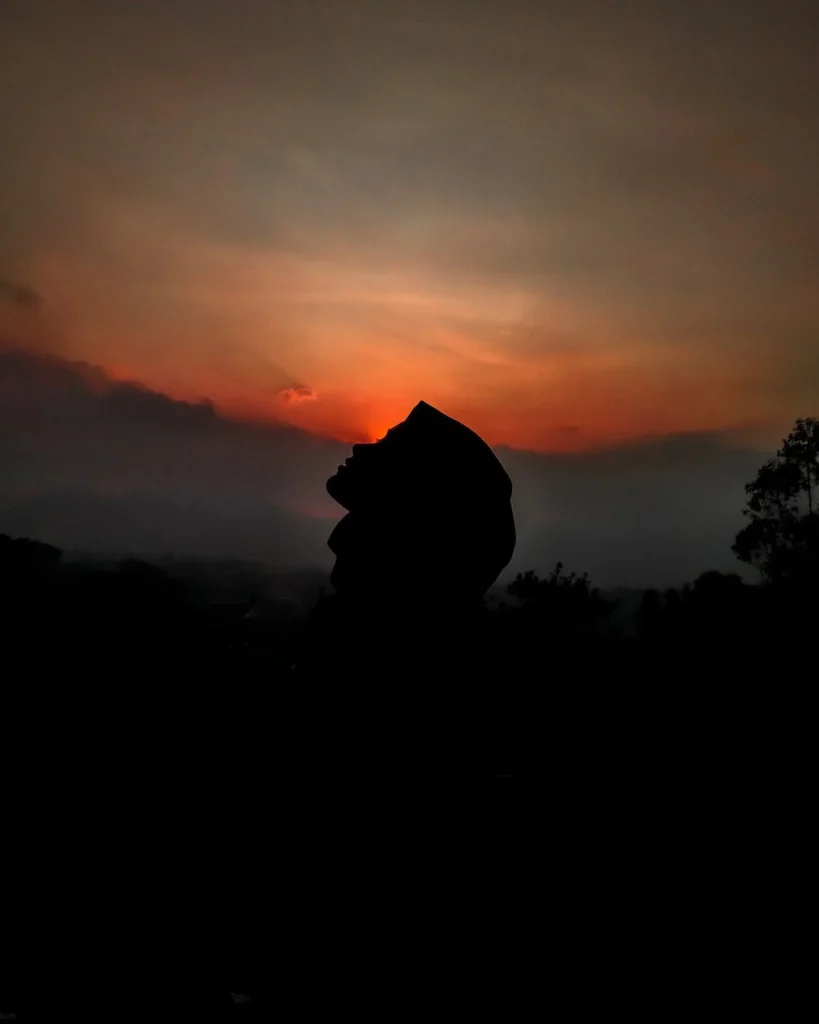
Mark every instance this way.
x=116 y=616
x=94 y=620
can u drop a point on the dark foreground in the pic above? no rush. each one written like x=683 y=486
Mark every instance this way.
x=184 y=818
x=162 y=853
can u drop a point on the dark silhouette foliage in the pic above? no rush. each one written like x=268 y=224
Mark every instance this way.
x=561 y=601
x=781 y=537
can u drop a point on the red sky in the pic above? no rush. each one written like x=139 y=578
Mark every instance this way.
x=567 y=224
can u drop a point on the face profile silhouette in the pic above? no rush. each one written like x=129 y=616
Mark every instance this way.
x=429 y=510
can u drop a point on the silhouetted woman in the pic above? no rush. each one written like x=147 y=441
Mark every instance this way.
x=429 y=527
x=388 y=755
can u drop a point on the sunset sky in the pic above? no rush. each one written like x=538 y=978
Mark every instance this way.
x=571 y=224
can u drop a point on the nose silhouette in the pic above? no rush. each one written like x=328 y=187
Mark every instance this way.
x=361 y=448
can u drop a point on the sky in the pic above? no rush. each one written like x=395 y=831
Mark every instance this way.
x=574 y=225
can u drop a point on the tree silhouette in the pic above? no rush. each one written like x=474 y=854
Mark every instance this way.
x=24 y=558
x=781 y=537
x=567 y=600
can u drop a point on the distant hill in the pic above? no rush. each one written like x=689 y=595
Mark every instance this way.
x=148 y=525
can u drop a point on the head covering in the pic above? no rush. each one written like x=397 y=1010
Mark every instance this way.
x=430 y=511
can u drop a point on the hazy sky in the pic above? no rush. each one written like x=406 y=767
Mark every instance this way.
x=565 y=222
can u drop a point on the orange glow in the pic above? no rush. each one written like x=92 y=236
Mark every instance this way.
x=344 y=351
x=378 y=427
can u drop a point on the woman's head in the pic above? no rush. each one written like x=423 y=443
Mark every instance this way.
x=429 y=503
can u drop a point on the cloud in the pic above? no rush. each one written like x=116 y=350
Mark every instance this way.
x=298 y=394
x=67 y=424
x=652 y=512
